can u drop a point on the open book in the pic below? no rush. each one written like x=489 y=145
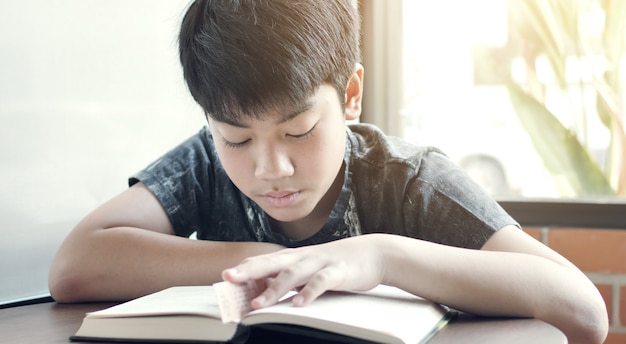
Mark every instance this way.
x=192 y=314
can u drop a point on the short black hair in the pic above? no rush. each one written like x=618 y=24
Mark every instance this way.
x=242 y=58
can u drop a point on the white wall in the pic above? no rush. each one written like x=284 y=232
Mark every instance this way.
x=90 y=92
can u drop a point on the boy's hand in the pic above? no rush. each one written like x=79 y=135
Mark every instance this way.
x=347 y=264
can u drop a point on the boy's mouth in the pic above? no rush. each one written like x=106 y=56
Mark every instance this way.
x=281 y=199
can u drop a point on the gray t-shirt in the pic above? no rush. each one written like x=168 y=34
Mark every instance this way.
x=390 y=186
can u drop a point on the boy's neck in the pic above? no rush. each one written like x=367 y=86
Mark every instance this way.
x=312 y=223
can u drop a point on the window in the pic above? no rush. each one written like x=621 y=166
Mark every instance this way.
x=91 y=92
x=555 y=131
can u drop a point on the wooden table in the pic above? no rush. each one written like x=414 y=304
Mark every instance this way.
x=54 y=323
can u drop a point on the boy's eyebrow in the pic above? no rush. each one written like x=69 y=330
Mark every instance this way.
x=302 y=108
x=297 y=111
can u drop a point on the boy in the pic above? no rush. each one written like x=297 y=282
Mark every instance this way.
x=279 y=188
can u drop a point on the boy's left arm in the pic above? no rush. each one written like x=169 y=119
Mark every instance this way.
x=512 y=275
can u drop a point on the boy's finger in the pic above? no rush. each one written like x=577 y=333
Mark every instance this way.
x=326 y=279
x=257 y=268
x=288 y=279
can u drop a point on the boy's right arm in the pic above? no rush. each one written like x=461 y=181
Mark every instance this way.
x=127 y=248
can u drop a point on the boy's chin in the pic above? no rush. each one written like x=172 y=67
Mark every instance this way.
x=288 y=214
x=285 y=215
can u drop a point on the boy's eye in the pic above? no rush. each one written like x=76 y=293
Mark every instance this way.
x=235 y=144
x=300 y=136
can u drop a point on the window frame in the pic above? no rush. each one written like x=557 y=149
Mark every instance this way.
x=587 y=214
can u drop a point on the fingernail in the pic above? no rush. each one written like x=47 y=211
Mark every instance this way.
x=232 y=272
x=260 y=300
x=298 y=300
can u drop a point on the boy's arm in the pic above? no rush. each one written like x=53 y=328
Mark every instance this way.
x=513 y=275
x=127 y=248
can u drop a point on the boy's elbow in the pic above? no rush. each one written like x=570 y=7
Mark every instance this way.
x=591 y=324
x=59 y=289
x=63 y=290
x=597 y=327
x=591 y=332
x=65 y=285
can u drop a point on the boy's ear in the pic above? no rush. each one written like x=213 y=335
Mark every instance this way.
x=354 y=94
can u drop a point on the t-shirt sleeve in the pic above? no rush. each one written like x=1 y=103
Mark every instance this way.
x=451 y=209
x=179 y=180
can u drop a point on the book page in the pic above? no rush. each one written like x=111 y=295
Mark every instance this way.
x=383 y=314
x=190 y=300
x=234 y=299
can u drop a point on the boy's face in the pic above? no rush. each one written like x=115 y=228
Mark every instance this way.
x=288 y=162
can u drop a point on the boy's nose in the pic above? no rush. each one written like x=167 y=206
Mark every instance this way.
x=272 y=163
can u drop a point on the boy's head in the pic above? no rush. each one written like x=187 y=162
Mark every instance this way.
x=243 y=58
